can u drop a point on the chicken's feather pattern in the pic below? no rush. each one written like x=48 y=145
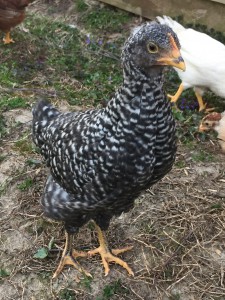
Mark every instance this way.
x=101 y=160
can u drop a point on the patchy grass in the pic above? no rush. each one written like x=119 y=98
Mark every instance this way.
x=60 y=60
x=203 y=156
x=67 y=294
x=12 y=103
x=7 y=74
x=187 y=125
x=216 y=206
x=180 y=164
x=25 y=185
x=104 y=19
x=81 y=6
x=112 y=289
x=24 y=145
x=85 y=282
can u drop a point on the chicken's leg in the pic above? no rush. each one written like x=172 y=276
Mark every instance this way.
x=175 y=97
x=7 y=39
x=69 y=256
x=201 y=104
x=106 y=255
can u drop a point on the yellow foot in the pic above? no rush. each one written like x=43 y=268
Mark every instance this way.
x=108 y=257
x=202 y=107
x=206 y=110
x=7 y=39
x=209 y=110
x=173 y=98
x=70 y=259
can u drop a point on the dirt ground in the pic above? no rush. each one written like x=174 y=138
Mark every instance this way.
x=177 y=230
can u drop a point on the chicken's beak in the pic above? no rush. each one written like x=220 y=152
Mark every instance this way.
x=173 y=58
x=202 y=128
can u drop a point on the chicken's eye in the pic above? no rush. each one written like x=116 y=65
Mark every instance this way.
x=152 y=48
x=207 y=123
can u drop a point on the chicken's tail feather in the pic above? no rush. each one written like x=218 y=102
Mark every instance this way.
x=44 y=111
x=165 y=20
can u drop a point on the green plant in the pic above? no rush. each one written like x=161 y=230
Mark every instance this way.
x=105 y=18
x=180 y=164
x=217 y=207
x=44 y=275
x=12 y=102
x=2 y=157
x=26 y=184
x=81 y=6
x=202 y=156
x=43 y=252
x=111 y=289
x=8 y=78
x=67 y=294
x=86 y=282
x=3 y=274
x=33 y=162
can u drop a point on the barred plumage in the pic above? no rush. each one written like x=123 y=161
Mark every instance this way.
x=101 y=160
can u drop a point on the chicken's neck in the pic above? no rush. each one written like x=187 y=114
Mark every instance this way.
x=140 y=100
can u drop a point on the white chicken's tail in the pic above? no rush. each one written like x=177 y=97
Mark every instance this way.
x=165 y=20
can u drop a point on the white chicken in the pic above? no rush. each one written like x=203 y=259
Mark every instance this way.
x=204 y=59
x=215 y=121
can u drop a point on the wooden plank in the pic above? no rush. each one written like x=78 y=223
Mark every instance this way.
x=208 y=12
x=220 y=1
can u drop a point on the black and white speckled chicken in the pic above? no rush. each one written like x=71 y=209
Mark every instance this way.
x=101 y=160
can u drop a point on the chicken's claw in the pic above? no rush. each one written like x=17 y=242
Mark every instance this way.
x=71 y=260
x=7 y=39
x=108 y=257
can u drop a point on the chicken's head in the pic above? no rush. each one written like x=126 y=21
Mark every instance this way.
x=210 y=121
x=150 y=47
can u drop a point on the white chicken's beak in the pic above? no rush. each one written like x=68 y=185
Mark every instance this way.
x=173 y=58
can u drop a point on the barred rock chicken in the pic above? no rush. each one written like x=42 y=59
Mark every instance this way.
x=204 y=59
x=12 y=13
x=100 y=160
x=215 y=121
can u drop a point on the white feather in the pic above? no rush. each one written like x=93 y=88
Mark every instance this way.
x=204 y=58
